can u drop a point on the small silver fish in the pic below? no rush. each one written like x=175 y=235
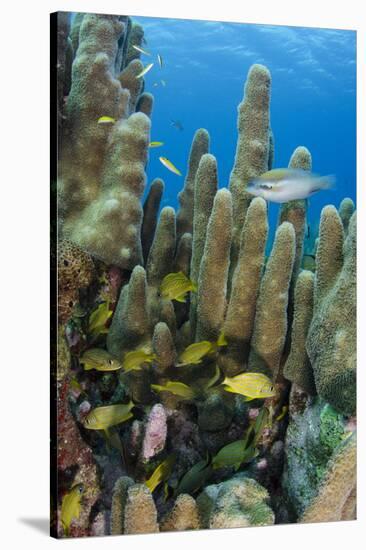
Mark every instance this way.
x=286 y=184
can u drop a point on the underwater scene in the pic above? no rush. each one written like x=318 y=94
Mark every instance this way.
x=203 y=371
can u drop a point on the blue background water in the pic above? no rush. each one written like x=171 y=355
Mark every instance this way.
x=205 y=65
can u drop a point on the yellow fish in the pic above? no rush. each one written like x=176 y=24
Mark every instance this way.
x=145 y=70
x=252 y=385
x=70 y=507
x=138 y=49
x=99 y=359
x=106 y=120
x=176 y=388
x=133 y=360
x=160 y=59
x=98 y=319
x=194 y=353
x=234 y=454
x=102 y=418
x=156 y=143
x=166 y=162
x=161 y=473
x=176 y=285
x=282 y=413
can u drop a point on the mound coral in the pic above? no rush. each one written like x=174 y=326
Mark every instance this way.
x=238 y=502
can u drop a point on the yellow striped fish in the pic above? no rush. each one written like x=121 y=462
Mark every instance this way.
x=156 y=143
x=252 y=385
x=99 y=359
x=175 y=286
x=166 y=162
x=176 y=388
x=106 y=120
x=70 y=507
x=161 y=473
x=102 y=418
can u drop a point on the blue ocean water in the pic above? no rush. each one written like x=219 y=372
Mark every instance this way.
x=205 y=65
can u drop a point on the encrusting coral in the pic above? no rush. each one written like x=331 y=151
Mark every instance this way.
x=336 y=498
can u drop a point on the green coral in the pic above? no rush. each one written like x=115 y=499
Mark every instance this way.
x=312 y=438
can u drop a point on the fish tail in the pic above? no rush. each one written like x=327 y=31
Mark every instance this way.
x=327 y=182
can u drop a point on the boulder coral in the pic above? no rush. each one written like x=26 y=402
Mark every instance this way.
x=238 y=502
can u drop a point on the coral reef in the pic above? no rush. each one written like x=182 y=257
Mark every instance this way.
x=212 y=279
x=157 y=470
x=75 y=271
x=346 y=209
x=140 y=512
x=183 y=516
x=298 y=368
x=239 y=320
x=102 y=175
x=336 y=498
x=331 y=340
x=238 y=502
x=200 y=146
x=313 y=436
x=270 y=323
x=252 y=151
x=155 y=432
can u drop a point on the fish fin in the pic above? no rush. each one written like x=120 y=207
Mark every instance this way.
x=222 y=341
x=88 y=366
x=324 y=182
x=181 y=299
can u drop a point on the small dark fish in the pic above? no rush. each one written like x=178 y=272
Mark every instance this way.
x=177 y=124
x=193 y=480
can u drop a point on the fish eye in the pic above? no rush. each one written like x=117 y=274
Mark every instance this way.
x=110 y=361
x=271 y=388
x=81 y=489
